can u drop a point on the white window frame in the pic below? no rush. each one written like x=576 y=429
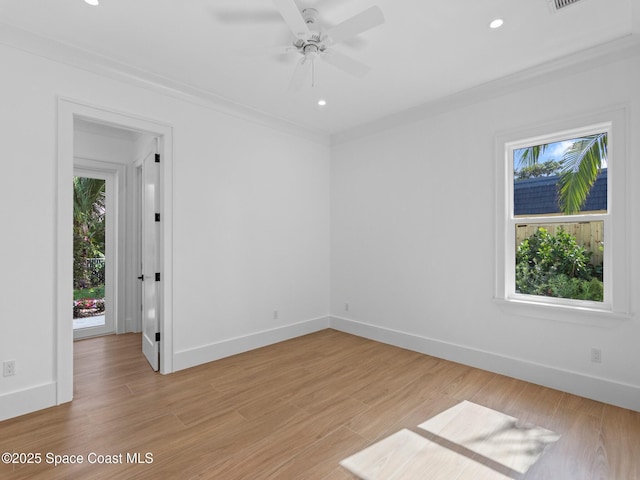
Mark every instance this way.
x=616 y=271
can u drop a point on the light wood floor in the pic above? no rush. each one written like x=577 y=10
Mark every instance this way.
x=294 y=410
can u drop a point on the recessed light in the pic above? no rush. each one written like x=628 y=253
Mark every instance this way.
x=93 y=3
x=322 y=102
x=497 y=23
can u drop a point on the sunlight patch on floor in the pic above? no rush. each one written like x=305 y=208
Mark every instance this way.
x=467 y=441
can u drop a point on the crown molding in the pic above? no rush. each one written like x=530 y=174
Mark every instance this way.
x=621 y=48
x=63 y=53
x=34 y=44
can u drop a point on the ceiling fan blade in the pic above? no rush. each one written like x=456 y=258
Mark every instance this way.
x=300 y=74
x=346 y=63
x=371 y=17
x=292 y=16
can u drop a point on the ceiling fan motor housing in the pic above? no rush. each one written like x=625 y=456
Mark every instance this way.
x=313 y=44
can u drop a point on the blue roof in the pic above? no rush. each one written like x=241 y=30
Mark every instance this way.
x=539 y=196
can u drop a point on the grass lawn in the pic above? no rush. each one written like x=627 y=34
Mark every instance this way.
x=95 y=292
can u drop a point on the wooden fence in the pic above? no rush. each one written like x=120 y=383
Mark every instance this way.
x=590 y=235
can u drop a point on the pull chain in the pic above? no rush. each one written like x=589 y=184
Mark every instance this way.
x=313 y=73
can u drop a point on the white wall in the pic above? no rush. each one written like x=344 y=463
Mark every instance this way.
x=252 y=230
x=413 y=228
x=103 y=146
x=251 y=223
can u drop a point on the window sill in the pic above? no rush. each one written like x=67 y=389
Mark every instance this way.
x=585 y=315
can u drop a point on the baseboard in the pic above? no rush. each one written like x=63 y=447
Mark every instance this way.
x=595 y=388
x=215 y=351
x=18 y=403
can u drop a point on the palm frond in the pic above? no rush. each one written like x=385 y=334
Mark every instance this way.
x=581 y=164
x=530 y=155
x=89 y=197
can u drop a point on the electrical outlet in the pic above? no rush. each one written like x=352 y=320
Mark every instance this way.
x=275 y=314
x=596 y=355
x=346 y=307
x=9 y=368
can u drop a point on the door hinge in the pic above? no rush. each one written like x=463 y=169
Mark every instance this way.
x=157 y=336
x=157 y=276
x=157 y=157
x=157 y=217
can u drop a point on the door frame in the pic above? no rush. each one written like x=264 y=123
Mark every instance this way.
x=68 y=109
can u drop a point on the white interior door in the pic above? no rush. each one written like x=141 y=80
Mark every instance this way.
x=150 y=260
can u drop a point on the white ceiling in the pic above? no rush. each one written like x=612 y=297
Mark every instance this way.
x=426 y=50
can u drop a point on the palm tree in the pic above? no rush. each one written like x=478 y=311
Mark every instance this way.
x=580 y=166
x=88 y=224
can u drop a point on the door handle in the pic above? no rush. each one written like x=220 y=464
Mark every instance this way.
x=141 y=277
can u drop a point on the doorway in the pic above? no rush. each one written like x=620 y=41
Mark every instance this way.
x=69 y=113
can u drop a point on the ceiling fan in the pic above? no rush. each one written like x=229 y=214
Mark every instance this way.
x=313 y=42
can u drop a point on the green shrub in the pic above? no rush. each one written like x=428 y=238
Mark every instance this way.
x=94 y=292
x=556 y=266
x=576 y=288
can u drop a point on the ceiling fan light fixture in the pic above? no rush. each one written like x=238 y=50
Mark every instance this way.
x=322 y=102
x=497 y=23
x=311 y=49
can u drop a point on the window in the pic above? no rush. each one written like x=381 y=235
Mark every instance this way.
x=559 y=216
x=561 y=239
